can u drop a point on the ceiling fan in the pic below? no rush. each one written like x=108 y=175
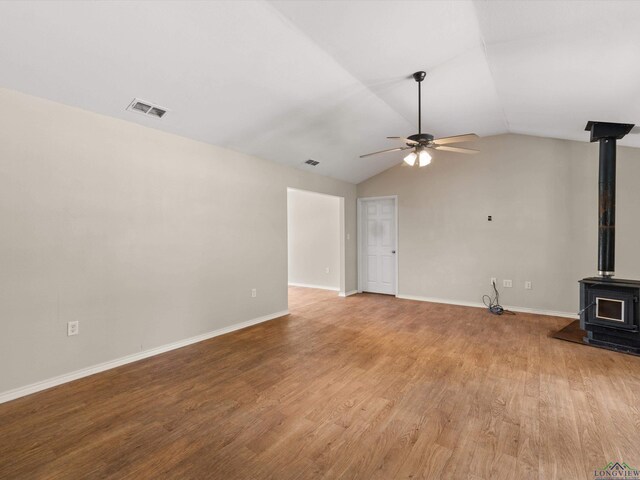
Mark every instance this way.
x=420 y=142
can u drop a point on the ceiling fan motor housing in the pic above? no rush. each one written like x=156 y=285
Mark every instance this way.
x=422 y=138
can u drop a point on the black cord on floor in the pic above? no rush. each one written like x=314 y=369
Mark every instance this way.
x=493 y=304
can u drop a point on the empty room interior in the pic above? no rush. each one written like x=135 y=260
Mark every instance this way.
x=291 y=240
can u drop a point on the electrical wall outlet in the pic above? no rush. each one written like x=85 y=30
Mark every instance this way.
x=527 y=285
x=493 y=280
x=254 y=293
x=326 y=270
x=507 y=283
x=73 y=328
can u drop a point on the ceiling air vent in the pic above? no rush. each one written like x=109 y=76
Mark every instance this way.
x=313 y=163
x=146 y=108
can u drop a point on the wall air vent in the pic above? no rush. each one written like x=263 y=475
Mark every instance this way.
x=313 y=163
x=147 y=108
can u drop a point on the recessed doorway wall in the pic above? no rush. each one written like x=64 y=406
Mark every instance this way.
x=315 y=229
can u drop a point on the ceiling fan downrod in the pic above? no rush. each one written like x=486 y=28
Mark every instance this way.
x=419 y=77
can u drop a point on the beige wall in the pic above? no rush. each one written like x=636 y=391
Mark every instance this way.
x=313 y=231
x=542 y=194
x=144 y=237
x=148 y=238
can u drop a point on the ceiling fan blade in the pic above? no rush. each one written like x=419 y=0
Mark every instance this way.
x=385 y=151
x=455 y=149
x=406 y=140
x=467 y=137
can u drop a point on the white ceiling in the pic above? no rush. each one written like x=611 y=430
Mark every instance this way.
x=292 y=80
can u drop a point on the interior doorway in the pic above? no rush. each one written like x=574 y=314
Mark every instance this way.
x=378 y=250
x=315 y=240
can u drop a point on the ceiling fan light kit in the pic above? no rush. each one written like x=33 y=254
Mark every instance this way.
x=424 y=158
x=411 y=159
x=421 y=155
x=420 y=142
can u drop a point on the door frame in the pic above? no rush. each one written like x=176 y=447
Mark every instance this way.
x=361 y=236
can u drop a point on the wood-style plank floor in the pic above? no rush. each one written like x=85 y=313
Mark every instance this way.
x=367 y=387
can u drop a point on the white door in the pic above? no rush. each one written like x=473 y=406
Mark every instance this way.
x=378 y=245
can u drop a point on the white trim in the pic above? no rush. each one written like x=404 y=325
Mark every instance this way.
x=321 y=287
x=359 y=240
x=348 y=294
x=384 y=197
x=343 y=246
x=361 y=237
x=85 y=372
x=463 y=303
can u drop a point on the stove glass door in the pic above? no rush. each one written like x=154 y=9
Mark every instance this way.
x=610 y=309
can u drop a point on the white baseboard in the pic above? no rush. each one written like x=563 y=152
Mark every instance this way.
x=347 y=294
x=85 y=372
x=463 y=303
x=321 y=287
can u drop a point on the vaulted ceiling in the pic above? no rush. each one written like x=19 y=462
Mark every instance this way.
x=293 y=80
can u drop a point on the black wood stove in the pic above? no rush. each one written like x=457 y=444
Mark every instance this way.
x=609 y=310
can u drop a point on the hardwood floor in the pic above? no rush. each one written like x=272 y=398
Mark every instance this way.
x=367 y=387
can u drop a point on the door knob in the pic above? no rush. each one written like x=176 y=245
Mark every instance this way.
x=393 y=251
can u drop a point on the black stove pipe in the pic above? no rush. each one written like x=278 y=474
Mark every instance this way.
x=607 y=208
x=607 y=133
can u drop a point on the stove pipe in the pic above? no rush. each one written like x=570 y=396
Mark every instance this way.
x=607 y=134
